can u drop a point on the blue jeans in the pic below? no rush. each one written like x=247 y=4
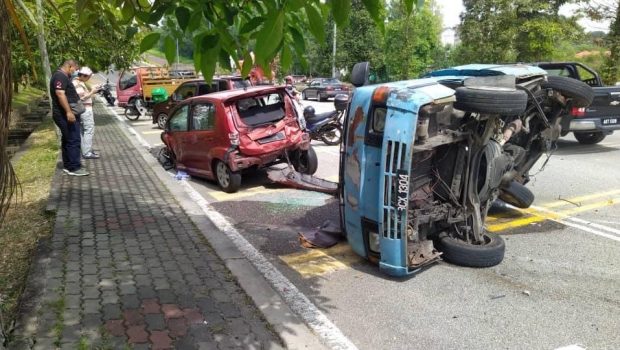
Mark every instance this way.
x=69 y=142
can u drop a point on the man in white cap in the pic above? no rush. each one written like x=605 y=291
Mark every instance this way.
x=87 y=118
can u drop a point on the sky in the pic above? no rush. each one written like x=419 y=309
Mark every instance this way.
x=451 y=9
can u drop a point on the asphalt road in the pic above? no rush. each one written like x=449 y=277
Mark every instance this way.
x=559 y=284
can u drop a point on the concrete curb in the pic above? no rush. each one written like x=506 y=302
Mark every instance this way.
x=289 y=327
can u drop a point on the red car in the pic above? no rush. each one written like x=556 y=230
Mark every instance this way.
x=219 y=135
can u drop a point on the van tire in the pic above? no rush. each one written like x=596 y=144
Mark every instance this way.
x=487 y=101
x=305 y=162
x=461 y=253
x=517 y=195
x=580 y=92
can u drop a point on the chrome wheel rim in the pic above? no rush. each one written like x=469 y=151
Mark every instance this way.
x=222 y=174
x=161 y=120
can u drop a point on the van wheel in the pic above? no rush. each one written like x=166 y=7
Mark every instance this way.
x=305 y=162
x=228 y=180
x=580 y=92
x=462 y=253
x=516 y=194
x=162 y=118
x=502 y=102
x=589 y=138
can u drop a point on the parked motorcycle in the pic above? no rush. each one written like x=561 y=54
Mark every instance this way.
x=327 y=127
x=106 y=92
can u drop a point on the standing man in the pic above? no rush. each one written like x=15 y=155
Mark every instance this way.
x=63 y=93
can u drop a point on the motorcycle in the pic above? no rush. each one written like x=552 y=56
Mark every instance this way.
x=327 y=127
x=106 y=92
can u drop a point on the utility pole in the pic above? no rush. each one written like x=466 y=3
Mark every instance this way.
x=177 y=54
x=334 y=52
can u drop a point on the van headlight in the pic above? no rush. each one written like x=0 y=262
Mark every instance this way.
x=374 y=242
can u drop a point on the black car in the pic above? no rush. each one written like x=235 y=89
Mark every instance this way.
x=324 y=88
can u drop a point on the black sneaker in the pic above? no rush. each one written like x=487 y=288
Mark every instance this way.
x=79 y=172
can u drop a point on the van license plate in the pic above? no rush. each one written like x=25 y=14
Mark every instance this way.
x=610 y=121
x=402 y=193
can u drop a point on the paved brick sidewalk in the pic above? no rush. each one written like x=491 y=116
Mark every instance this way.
x=126 y=268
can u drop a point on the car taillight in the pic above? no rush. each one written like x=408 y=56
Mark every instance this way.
x=578 y=112
x=234 y=138
x=329 y=88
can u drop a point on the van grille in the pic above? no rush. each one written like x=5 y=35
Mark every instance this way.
x=393 y=224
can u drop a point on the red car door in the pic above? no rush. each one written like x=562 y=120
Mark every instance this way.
x=177 y=133
x=202 y=137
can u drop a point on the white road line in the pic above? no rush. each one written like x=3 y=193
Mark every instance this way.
x=142 y=123
x=296 y=300
x=595 y=225
x=581 y=227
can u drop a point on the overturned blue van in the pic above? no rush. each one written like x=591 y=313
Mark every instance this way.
x=422 y=160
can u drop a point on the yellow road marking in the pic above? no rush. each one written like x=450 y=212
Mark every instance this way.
x=151 y=132
x=316 y=262
x=221 y=196
x=535 y=215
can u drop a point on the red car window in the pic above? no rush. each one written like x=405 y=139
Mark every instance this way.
x=178 y=121
x=203 y=116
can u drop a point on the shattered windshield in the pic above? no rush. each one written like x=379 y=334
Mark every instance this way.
x=260 y=110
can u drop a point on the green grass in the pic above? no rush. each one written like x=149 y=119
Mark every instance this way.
x=157 y=53
x=26 y=221
x=25 y=97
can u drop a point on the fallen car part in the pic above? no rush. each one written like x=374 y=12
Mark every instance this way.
x=289 y=177
x=325 y=236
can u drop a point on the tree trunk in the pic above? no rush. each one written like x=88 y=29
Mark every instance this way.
x=8 y=181
x=43 y=50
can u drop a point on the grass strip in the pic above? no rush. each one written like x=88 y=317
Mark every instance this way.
x=26 y=221
x=26 y=96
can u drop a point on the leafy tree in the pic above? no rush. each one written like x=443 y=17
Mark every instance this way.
x=360 y=40
x=412 y=41
x=508 y=31
x=608 y=10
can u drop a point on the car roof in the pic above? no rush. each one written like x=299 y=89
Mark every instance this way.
x=226 y=95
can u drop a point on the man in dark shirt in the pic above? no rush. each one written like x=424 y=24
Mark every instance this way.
x=63 y=93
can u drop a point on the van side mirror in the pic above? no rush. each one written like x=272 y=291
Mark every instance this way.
x=360 y=73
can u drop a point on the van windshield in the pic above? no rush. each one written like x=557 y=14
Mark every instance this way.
x=261 y=110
